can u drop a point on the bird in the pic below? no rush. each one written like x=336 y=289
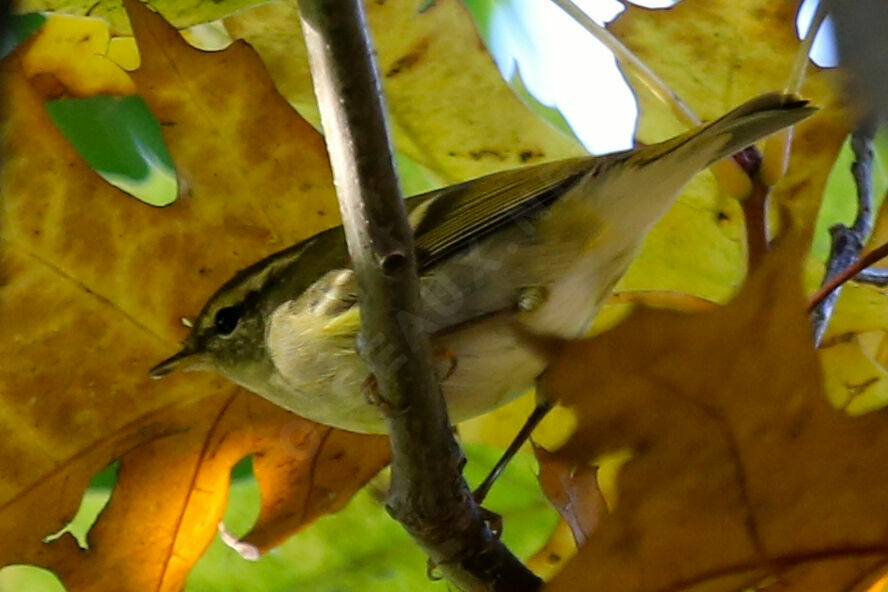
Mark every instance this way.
x=526 y=252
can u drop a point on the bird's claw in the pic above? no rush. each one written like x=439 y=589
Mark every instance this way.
x=370 y=389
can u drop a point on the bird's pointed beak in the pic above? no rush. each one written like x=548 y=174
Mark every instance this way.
x=180 y=360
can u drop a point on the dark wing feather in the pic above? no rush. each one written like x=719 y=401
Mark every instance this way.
x=453 y=217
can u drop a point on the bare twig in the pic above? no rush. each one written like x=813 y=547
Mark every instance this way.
x=848 y=242
x=848 y=273
x=800 y=64
x=777 y=146
x=428 y=494
x=874 y=275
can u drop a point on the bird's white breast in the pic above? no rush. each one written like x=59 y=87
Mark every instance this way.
x=481 y=366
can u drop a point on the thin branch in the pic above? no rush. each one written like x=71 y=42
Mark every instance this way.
x=847 y=243
x=850 y=272
x=800 y=64
x=428 y=494
x=777 y=146
x=874 y=276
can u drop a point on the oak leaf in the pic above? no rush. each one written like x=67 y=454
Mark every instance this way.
x=92 y=286
x=449 y=108
x=714 y=54
x=742 y=475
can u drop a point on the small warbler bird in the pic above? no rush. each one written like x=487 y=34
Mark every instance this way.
x=534 y=250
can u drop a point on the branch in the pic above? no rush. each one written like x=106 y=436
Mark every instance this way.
x=801 y=61
x=874 y=276
x=848 y=242
x=428 y=494
x=857 y=270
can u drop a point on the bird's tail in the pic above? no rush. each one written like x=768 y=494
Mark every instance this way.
x=748 y=123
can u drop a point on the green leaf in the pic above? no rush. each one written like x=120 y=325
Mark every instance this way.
x=95 y=498
x=19 y=28
x=547 y=112
x=16 y=578
x=415 y=178
x=483 y=13
x=502 y=17
x=121 y=140
x=361 y=547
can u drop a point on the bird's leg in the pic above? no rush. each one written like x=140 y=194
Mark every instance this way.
x=532 y=298
x=543 y=407
x=370 y=389
x=493 y=520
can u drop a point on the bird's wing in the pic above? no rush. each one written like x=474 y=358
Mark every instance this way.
x=449 y=219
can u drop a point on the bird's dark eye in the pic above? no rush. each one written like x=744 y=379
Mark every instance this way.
x=227 y=318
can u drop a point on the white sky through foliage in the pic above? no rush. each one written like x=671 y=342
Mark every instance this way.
x=564 y=66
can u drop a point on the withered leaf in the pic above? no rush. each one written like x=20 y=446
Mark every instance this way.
x=742 y=474
x=92 y=286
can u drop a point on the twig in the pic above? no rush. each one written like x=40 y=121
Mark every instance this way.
x=755 y=213
x=874 y=276
x=848 y=273
x=428 y=494
x=777 y=146
x=800 y=64
x=848 y=242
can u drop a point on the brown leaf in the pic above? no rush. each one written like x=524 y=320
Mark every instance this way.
x=573 y=490
x=92 y=286
x=742 y=473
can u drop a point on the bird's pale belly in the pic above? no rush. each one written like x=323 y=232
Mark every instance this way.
x=481 y=366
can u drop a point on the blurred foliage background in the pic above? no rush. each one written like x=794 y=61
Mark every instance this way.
x=539 y=51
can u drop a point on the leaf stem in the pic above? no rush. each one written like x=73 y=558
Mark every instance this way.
x=800 y=64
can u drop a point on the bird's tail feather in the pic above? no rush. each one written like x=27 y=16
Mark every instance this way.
x=748 y=123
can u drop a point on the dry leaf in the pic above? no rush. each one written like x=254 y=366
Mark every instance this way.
x=742 y=473
x=92 y=286
x=573 y=490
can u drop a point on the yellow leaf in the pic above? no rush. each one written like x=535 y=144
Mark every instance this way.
x=74 y=51
x=93 y=285
x=448 y=106
x=854 y=381
x=714 y=54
